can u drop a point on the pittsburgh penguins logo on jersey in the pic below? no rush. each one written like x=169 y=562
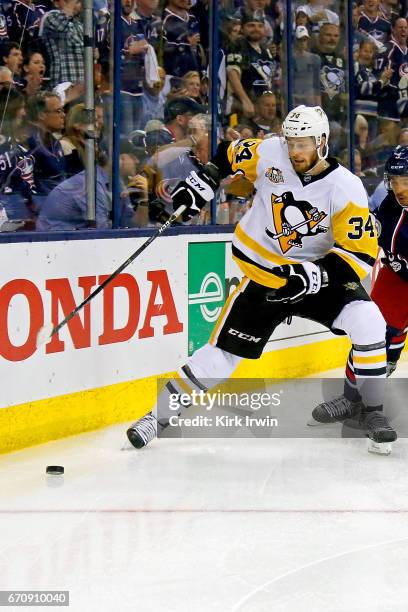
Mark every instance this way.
x=274 y=175
x=266 y=70
x=332 y=80
x=294 y=220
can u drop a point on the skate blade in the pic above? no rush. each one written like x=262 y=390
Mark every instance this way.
x=380 y=448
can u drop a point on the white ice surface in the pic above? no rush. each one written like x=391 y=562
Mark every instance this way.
x=208 y=525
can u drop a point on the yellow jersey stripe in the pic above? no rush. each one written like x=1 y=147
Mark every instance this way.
x=226 y=309
x=257 y=248
x=360 y=270
x=267 y=279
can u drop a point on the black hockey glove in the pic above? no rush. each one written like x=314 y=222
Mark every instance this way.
x=198 y=189
x=302 y=279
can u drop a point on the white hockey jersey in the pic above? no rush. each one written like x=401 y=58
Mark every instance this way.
x=296 y=218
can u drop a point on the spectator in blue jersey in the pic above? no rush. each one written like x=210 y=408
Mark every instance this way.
x=13 y=58
x=145 y=11
x=134 y=49
x=373 y=23
x=47 y=117
x=63 y=35
x=369 y=84
x=393 y=102
x=17 y=185
x=182 y=51
x=66 y=205
x=358 y=37
x=24 y=18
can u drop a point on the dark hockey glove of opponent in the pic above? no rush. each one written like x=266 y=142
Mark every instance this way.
x=198 y=189
x=302 y=279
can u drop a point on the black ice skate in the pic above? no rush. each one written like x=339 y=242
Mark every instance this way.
x=379 y=432
x=335 y=411
x=143 y=431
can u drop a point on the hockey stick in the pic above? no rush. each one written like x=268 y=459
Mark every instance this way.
x=292 y=228
x=47 y=331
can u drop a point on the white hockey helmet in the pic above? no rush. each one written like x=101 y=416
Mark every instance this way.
x=305 y=121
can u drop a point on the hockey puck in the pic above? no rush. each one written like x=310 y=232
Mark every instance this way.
x=56 y=470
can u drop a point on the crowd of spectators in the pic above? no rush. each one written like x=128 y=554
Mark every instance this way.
x=165 y=91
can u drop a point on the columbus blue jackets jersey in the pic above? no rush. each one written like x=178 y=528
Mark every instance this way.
x=394 y=98
x=24 y=21
x=16 y=169
x=296 y=218
x=178 y=55
x=393 y=234
x=367 y=88
x=379 y=28
x=133 y=70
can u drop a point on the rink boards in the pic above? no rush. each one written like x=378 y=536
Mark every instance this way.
x=102 y=368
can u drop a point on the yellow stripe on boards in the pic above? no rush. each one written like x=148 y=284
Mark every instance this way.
x=58 y=417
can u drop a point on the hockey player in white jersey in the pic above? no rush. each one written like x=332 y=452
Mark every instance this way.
x=303 y=247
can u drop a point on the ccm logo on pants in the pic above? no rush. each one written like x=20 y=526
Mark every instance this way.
x=235 y=332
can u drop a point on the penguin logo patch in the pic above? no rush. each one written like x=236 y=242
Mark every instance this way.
x=294 y=220
x=274 y=175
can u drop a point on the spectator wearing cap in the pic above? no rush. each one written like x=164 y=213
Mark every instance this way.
x=154 y=99
x=318 y=13
x=182 y=51
x=177 y=115
x=306 y=68
x=63 y=35
x=65 y=207
x=257 y=8
x=251 y=68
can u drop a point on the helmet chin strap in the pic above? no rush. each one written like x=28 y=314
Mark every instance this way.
x=320 y=158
